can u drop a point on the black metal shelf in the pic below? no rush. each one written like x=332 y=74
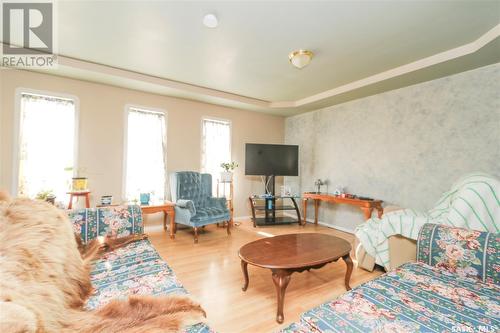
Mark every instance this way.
x=262 y=221
x=275 y=207
x=268 y=211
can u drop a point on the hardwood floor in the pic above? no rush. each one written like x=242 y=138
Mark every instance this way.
x=211 y=271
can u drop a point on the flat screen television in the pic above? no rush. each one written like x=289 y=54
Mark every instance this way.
x=271 y=160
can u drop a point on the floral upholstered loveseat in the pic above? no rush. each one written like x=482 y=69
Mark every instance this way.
x=134 y=269
x=453 y=287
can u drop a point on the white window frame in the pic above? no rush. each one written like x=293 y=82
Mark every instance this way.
x=125 y=136
x=222 y=120
x=17 y=129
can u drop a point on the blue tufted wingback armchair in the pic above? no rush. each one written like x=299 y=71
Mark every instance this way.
x=194 y=204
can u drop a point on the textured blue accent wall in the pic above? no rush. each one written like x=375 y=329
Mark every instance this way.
x=405 y=146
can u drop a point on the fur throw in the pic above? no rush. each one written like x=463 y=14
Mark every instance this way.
x=44 y=281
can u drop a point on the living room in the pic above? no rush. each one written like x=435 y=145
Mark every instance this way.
x=247 y=164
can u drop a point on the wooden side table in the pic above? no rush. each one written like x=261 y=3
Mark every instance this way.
x=77 y=194
x=168 y=209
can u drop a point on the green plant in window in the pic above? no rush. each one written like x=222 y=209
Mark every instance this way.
x=228 y=167
x=80 y=172
x=46 y=195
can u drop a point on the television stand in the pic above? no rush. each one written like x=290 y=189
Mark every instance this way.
x=267 y=205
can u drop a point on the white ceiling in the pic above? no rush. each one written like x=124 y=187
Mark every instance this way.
x=247 y=54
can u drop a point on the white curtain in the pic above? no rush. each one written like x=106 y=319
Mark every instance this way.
x=46 y=145
x=146 y=154
x=216 y=147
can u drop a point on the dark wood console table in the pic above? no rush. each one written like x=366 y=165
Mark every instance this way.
x=367 y=206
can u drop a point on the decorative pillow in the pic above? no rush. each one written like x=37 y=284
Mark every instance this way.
x=467 y=253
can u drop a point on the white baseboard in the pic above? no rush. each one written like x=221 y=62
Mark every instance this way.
x=242 y=218
x=328 y=225
x=333 y=226
x=157 y=228
x=153 y=228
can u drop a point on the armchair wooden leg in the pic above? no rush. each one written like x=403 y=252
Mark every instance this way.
x=228 y=227
x=173 y=228
x=195 y=235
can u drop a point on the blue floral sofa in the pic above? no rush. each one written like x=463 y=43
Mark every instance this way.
x=131 y=270
x=453 y=287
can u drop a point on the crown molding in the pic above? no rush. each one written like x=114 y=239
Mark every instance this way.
x=457 y=52
x=194 y=92
x=171 y=84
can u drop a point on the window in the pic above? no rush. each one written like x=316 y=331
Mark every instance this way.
x=145 y=149
x=46 y=147
x=216 y=147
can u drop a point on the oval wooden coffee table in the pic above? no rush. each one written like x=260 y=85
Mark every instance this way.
x=286 y=254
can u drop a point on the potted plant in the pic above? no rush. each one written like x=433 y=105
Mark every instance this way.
x=46 y=195
x=227 y=174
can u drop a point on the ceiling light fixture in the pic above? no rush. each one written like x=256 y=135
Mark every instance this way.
x=300 y=58
x=210 y=21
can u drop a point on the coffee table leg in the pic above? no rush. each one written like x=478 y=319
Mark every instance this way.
x=281 y=278
x=244 y=268
x=348 y=261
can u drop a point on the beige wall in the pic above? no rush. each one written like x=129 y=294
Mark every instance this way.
x=101 y=131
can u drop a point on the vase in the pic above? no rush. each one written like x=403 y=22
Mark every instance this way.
x=106 y=200
x=145 y=198
x=79 y=184
x=226 y=176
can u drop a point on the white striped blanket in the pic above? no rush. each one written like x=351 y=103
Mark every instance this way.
x=472 y=203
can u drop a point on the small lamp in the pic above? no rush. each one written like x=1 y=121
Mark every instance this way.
x=319 y=183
